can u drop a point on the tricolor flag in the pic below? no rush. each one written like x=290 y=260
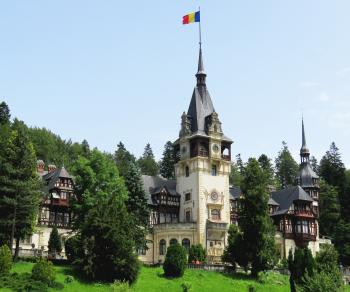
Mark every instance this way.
x=192 y=17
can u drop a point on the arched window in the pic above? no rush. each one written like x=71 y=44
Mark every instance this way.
x=215 y=214
x=173 y=241
x=186 y=244
x=187 y=170
x=162 y=247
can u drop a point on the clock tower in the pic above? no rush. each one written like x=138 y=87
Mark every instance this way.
x=202 y=171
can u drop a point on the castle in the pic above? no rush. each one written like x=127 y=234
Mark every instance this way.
x=199 y=205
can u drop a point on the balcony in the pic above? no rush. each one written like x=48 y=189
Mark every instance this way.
x=226 y=157
x=60 y=202
x=304 y=213
x=216 y=225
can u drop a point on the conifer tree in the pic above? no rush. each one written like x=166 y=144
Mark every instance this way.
x=329 y=209
x=123 y=158
x=239 y=163
x=254 y=220
x=314 y=164
x=235 y=175
x=4 y=113
x=147 y=163
x=167 y=164
x=55 y=244
x=137 y=204
x=286 y=167
x=266 y=165
x=19 y=186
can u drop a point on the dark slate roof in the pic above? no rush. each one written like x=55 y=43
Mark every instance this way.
x=272 y=202
x=200 y=107
x=286 y=197
x=235 y=193
x=155 y=184
x=306 y=175
x=54 y=175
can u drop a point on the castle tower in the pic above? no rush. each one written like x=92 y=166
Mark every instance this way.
x=202 y=172
x=307 y=178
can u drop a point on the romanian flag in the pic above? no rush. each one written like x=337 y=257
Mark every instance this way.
x=192 y=17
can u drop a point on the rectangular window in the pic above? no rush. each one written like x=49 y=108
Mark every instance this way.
x=213 y=170
x=188 y=197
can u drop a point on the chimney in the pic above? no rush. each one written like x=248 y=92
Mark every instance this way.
x=51 y=167
x=40 y=166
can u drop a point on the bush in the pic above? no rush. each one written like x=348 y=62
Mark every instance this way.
x=321 y=281
x=71 y=247
x=186 y=286
x=69 y=279
x=175 y=261
x=5 y=260
x=55 y=244
x=44 y=272
x=196 y=253
x=22 y=282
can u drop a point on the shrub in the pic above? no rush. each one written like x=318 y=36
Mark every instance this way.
x=55 y=244
x=196 y=253
x=44 y=272
x=69 y=279
x=175 y=261
x=5 y=260
x=71 y=247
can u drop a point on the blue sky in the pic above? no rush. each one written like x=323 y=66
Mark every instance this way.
x=107 y=71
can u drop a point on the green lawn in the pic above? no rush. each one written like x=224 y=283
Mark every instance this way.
x=151 y=279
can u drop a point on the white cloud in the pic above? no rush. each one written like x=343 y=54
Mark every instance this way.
x=343 y=72
x=309 y=84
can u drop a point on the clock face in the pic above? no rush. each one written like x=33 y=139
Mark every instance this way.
x=214 y=196
x=216 y=148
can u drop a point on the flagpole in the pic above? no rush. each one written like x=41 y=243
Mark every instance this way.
x=200 y=33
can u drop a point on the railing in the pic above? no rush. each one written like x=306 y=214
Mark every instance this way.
x=203 y=153
x=303 y=213
x=208 y=267
x=216 y=225
x=226 y=157
x=60 y=202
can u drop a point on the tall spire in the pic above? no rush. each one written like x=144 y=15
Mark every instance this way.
x=304 y=150
x=200 y=73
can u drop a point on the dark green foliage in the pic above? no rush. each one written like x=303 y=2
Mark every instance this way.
x=106 y=230
x=235 y=175
x=72 y=248
x=314 y=164
x=147 y=163
x=44 y=272
x=233 y=252
x=332 y=168
x=55 y=244
x=22 y=282
x=342 y=241
x=5 y=260
x=286 y=167
x=4 y=113
x=137 y=204
x=167 y=164
x=266 y=165
x=175 y=261
x=123 y=158
x=254 y=220
x=196 y=253
x=239 y=163
x=327 y=276
x=299 y=265
x=19 y=185
x=329 y=209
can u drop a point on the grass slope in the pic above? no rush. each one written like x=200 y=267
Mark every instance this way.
x=151 y=279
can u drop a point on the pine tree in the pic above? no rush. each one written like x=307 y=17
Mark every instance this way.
x=147 y=163
x=167 y=164
x=314 y=164
x=19 y=186
x=123 y=158
x=137 y=203
x=266 y=165
x=55 y=244
x=4 y=113
x=286 y=167
x=235 y=175
x=254 y=220
x=239 y=163
x=329 y=209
